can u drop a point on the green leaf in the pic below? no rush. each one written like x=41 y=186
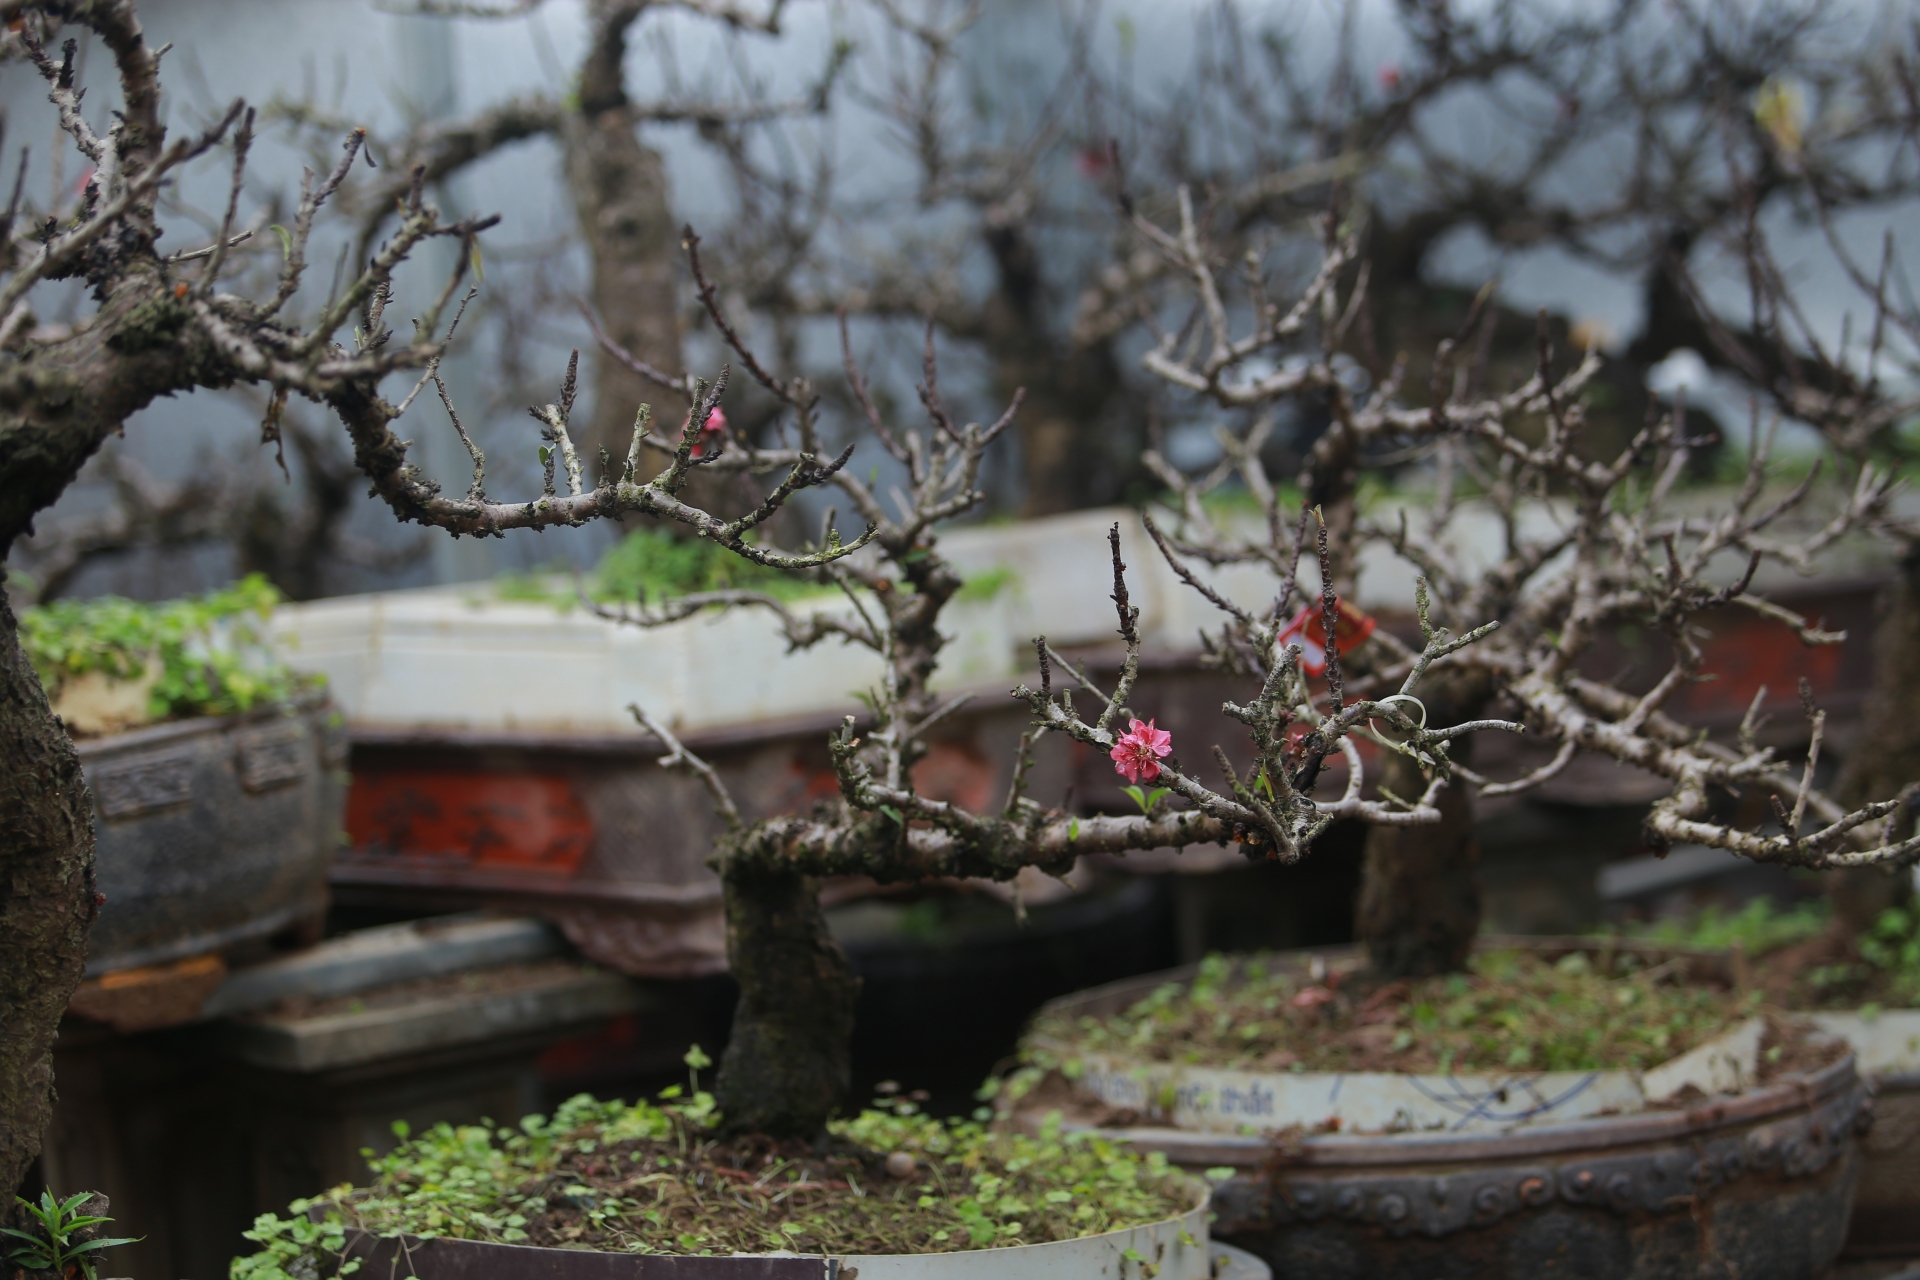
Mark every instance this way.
x=1147 y=799
x=1073 y=830
x=286 y=241
x=105 y=1243
x=697 y=1059
x=893 y=813
x=546 y=455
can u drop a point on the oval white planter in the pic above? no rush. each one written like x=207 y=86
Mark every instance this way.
x=1225 y=1101
x=1171 y=1249
x=1174 y=1249
x=462 y=657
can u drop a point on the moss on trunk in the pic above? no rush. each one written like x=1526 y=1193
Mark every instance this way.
x=788 y=1063
x=1886 y=757
x=46 y=868
x=1419 y=904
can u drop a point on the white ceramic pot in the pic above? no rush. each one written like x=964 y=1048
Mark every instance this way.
x=1172 y=1249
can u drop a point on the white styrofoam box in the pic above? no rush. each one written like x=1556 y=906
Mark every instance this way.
x=460 y=658
x=1062 y=586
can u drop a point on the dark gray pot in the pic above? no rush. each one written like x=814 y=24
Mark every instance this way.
x=1757 y=1186
x=212 y=832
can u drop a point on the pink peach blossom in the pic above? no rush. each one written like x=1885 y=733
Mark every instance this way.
x=1136 y=757
x=715 y=429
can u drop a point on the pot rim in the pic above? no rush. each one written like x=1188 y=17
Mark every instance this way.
x=544 y=1260
x=165 y=731
x=1725 y=1111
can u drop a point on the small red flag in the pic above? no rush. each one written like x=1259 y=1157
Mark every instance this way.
x=1309 y=630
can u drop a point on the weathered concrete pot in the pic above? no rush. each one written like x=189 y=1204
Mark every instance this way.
x=1886 y=1207
x=1757 y=1184
x=1172 y=1249
x=213 y=831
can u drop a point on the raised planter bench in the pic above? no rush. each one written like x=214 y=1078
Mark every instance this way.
x=195 y=1130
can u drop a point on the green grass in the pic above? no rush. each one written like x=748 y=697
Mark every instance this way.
x=1758 y=927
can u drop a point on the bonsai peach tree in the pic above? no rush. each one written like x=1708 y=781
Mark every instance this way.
x=786 y=1066
x=1612 y=546
x=162 y=322
x=1582 y=545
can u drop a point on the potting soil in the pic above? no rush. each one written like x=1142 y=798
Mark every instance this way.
x=1509 y=1011
x=656 y=1179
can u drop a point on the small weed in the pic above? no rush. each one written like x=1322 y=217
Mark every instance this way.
x=58 y=1246
x=654 y=1178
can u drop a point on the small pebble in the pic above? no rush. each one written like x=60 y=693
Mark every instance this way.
x=901 y=1165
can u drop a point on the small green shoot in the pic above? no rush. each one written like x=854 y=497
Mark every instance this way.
x=55 y=1247
x=697 y=1061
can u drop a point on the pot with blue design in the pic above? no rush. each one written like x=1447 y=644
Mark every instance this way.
x=1704 y=1166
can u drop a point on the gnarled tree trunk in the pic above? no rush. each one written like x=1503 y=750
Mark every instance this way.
x=54 y=412
x=788 y=1062
x=619 y=191
x=46 y=900
x=1887 y=755
x=1077 y=446
x=1420 y=886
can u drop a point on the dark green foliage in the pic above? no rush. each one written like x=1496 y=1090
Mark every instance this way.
x=212 y=652
x=60 y=1239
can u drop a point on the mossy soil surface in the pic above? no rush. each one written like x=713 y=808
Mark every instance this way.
x=1838 y=969
x=1510 y=1011
x=1801 y=958
x=656 y=1179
